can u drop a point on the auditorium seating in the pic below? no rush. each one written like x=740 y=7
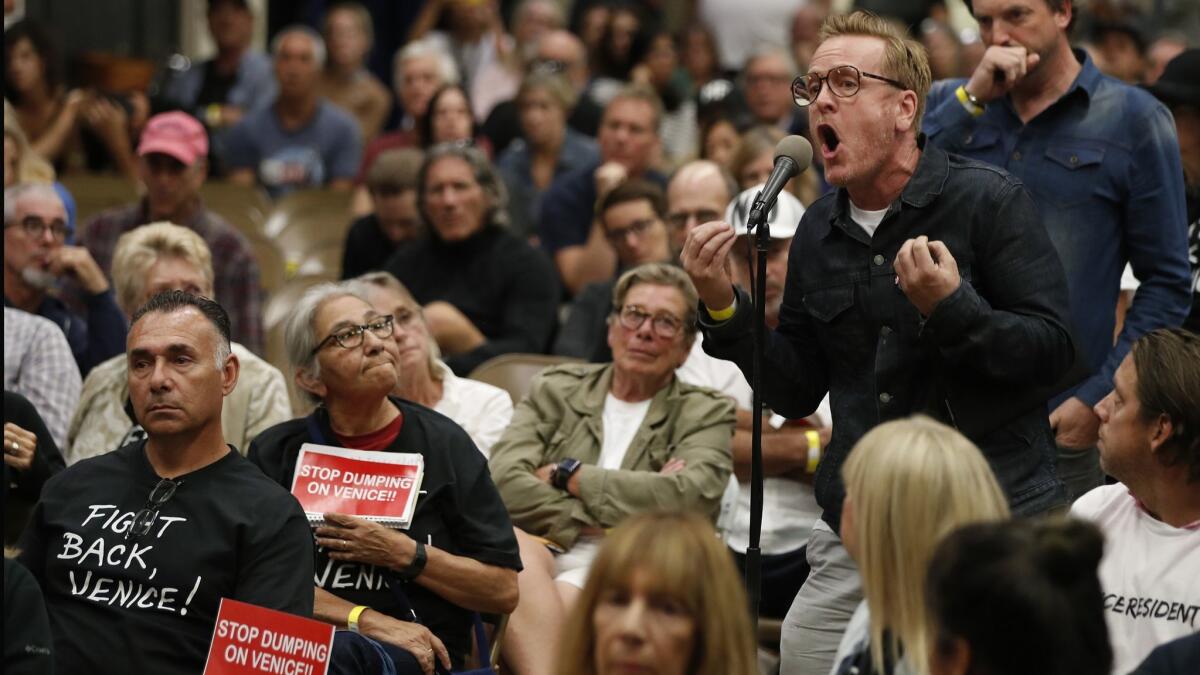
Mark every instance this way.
x=514 y=372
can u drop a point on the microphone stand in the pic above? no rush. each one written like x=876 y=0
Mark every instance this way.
x=757 y=223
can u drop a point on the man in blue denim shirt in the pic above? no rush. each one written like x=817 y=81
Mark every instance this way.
x=1101 y=160
x=924 y=284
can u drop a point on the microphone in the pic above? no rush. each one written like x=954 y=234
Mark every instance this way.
x=793 y=155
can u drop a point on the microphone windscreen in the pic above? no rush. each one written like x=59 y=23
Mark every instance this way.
x=798 y=149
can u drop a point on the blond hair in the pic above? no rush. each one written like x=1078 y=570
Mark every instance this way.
x=910 y=483
x=682 y=555
x=904 y=59
x=138 y=250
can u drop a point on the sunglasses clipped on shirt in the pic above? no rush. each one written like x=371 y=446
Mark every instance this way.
x=145 y=519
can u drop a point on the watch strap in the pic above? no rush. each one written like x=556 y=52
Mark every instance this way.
x=416 y=565
x=563 y=472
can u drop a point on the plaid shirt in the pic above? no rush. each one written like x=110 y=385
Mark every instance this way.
x=235 y=269
x=38 y=365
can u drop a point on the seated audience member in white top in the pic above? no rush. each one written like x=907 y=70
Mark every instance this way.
x=1150 y=441
x=483 y=411
x=149 y=260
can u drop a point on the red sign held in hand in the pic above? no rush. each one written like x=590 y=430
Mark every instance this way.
x=378 y=486
x=253 y=639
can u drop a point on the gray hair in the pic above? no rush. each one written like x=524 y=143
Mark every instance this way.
x=661 y=274
x=424 y=49
x=318 y=42
x=387 y=280
x=483 y=170
x=299 y=333
x=20 y=191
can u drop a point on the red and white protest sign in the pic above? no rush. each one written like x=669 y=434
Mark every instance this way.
x=378 y=486
x=253 y=639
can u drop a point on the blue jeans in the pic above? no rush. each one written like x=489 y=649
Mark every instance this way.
x=355 y=654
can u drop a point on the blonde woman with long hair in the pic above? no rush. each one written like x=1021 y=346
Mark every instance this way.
x=909 y=483
x=662 y=596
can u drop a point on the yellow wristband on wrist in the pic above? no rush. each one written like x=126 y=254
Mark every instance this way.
x=721 y=314
x=814 y=450
x=352 y=621
x=969 y=102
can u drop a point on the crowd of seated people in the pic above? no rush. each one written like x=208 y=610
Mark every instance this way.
x=522 y=177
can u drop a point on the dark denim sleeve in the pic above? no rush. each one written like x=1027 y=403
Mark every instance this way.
x=943 y=110
x=795 y=375
x=1019 y=332
x=1155 y=228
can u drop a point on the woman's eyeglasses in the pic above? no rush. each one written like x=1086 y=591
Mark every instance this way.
x=665 y=326
x=352 y=336
x=145 y=519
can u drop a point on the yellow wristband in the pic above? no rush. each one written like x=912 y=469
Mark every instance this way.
x=814 y=449
x=352 y=621
x=722 y=314
x=968 y=101
x=212 y=115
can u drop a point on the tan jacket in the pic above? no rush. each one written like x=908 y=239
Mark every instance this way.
x=258 y=402
x=561 y=418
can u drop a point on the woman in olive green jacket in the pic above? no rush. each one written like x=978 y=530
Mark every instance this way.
x=593 y=444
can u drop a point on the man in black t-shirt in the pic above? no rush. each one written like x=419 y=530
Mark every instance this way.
x=134 y=549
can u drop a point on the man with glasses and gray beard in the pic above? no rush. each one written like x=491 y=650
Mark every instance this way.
x=923 y=284
x=38 y=263
x=134 y=549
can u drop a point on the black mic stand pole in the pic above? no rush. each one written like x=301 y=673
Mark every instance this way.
x=757 y=223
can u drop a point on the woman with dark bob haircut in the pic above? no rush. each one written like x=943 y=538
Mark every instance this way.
x=663 y=593
x=1019 y=597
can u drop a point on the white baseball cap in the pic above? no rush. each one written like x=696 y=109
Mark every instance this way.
x=783 y=218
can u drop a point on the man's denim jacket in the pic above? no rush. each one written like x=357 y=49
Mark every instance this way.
x=984 y=361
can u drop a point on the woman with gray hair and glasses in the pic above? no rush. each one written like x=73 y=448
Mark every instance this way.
x=459 y=556
x=485 y=291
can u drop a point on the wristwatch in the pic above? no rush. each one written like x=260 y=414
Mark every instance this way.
x=563 y=472
x=416 y=565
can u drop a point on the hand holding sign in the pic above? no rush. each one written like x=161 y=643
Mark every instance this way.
x=360 y=540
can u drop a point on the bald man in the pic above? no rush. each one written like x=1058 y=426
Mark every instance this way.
x=698 y=192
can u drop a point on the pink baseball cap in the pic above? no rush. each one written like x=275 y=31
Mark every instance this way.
x=177 y=134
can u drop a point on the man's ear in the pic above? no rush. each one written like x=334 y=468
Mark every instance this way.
x=1163 y=427
x=229 y=374
x=311 y=384
x=1062 y=18
x=907 y=112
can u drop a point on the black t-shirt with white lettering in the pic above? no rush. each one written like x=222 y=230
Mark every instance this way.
x=458 y=511
x=149 y=605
